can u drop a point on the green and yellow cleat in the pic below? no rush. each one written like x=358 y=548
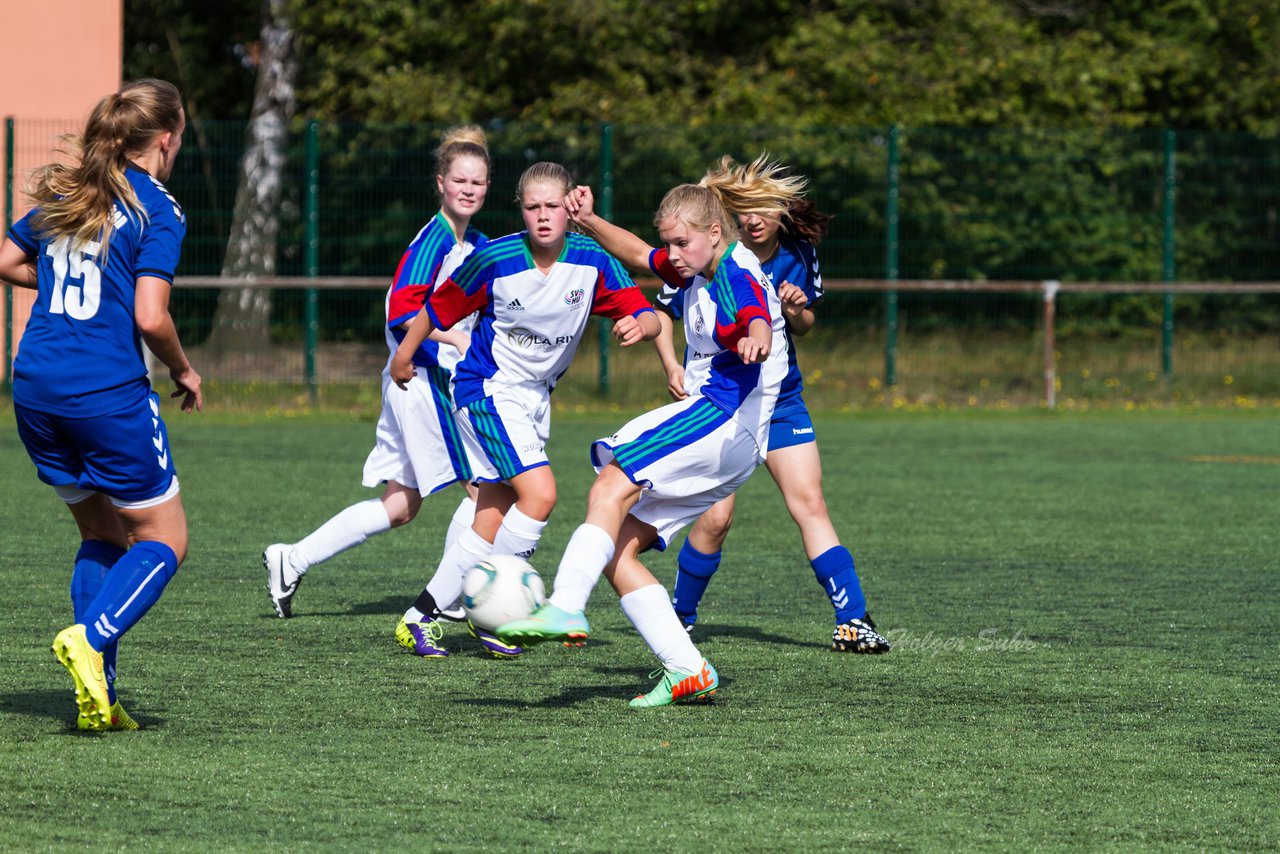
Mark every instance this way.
x=680 y=687
x=120 y=720
x=84 y=663
x=548 y=623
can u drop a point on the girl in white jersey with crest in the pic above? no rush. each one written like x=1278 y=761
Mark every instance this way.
x=418 y=449
x=662 y=470
x=534 y=291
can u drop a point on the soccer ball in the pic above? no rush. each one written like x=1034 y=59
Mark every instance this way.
x=500 y=589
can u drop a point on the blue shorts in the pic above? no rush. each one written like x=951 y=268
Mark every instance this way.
x=124 y=455
x=790 y=425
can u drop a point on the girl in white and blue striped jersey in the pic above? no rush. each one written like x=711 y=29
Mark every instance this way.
x=418 y=449
x=534 y=291
x=782 y=229
x=663 y=469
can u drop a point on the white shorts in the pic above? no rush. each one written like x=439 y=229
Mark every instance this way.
x=687 y=455
x=506 y=434
x=418 y=442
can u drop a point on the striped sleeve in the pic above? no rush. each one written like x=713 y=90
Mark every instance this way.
x=462 y=294
x=616 y=295
x=740 y=299
x=415 y=275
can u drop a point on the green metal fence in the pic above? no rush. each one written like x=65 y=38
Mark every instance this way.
x=910 y=204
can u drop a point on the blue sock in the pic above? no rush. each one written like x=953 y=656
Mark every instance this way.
x=692 y=577
x=93 y=561
x=132 y=586
x=834 y=571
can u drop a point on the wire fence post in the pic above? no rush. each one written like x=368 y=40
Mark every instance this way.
x=1170 y=263
x=891 y=262
x=1050 y=344
x=312 y=214
x=606 y=211
x=8 y=223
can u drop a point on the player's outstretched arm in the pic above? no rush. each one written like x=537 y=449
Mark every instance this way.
x=617 y=241
x=155 y=324
x=402 y=369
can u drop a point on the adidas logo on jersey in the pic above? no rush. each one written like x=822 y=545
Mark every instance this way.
x=515 y=305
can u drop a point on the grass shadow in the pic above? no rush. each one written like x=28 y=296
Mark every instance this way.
x=57 y=705
x=386 y=606
x=752 y=633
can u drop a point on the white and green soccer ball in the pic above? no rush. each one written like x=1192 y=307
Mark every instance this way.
x=500 y=589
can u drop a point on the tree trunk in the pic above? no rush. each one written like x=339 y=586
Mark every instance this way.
x=243 y=319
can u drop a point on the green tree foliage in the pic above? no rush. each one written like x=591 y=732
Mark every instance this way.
x=1001 y=63
x=206 y=49
x=1031 y=141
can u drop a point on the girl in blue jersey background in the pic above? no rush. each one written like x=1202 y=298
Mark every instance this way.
x=782 y=229
x=418 y=450
x=101 y=247
x=534 y=291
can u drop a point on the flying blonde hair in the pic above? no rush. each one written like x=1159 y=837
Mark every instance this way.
x=76 y=199
x=762 y=186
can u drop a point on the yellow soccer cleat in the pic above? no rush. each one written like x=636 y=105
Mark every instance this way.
x=120 y=720
x=84 y=663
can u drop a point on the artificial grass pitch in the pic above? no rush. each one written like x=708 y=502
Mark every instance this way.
x=1086 y=612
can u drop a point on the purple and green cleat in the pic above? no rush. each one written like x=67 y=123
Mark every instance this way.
x=547 y=623
x=422 y=638
x=493 y=644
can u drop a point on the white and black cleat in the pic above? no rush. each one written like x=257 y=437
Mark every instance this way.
x=274 y=559
x=859 y=636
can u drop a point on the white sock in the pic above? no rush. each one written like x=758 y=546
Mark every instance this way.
x=518 y=535
x=461 y=521
x=649 y=610
x=349 y=528
x=446 y=585
x=589 y=551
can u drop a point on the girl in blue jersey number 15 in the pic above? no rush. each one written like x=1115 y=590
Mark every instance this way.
x=534 y=291
x=100 y=247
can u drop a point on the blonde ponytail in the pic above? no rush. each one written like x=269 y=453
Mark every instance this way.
x=761 y=187
x=76 y=199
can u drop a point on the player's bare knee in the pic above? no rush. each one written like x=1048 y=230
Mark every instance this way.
x=538 y=506
x=715 y=523
x=401 y=516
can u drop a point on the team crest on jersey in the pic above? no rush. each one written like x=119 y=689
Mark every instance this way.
x=698 y=326
x=574 y=297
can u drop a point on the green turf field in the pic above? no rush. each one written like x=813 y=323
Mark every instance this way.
x=1086 y=610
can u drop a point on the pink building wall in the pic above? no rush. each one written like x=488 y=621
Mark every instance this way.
x=57 y=58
